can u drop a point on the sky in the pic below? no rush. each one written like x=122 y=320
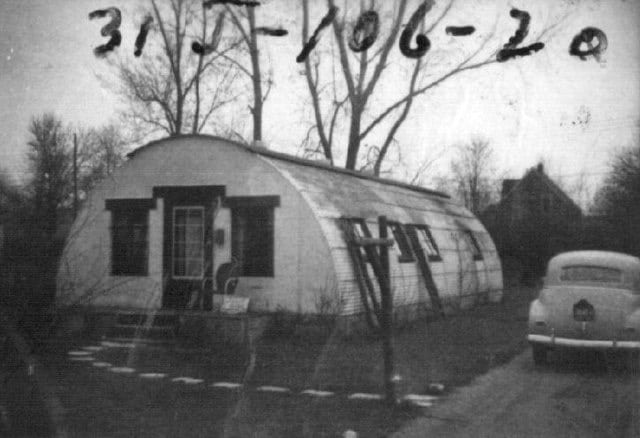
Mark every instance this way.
x=550 y=106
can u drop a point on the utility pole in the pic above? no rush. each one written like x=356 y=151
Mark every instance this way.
x=75 y=175
x=386 y=318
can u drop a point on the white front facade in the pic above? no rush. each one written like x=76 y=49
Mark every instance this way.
x=310 y=269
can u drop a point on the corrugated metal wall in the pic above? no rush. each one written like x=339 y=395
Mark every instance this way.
x=460 y=279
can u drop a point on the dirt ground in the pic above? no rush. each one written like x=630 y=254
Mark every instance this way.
x=580 y=394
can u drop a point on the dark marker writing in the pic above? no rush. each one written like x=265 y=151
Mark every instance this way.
x=326 y=21
x=365 y=32
x=422 y=42
x=208 y=48
x=109 y=29
x=364 y=35
x=209 y=3
x=142 y=35
x=271 y=31
x=510 y=49
x=586 y=36
x=459 y=30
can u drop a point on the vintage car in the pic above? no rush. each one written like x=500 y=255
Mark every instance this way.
x=589 y=300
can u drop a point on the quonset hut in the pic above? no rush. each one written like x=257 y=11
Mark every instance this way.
x=183 y=212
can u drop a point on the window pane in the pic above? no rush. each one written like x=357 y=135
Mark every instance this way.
x=402 y=245
x=188 y=245
x=179 y=267
x=596 y=274
x=129 y=241
x=426 y=239
x=179 y=216
x=252 y=240
x=194 y=267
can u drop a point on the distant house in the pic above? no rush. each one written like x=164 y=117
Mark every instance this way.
x=534 y=219
x=182 y=209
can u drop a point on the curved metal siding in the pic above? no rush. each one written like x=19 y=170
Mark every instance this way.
x=333 y=195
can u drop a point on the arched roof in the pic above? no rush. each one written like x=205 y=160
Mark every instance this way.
x=299 y=161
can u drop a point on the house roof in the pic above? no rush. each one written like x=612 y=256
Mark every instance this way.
x=279 y=156
x=535 y=172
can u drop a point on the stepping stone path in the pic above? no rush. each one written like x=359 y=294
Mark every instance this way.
x=152 y=375
x=267 y=388
x=423 y=401
x=364 y=396
x=122 y=370
x=229 y=385
x=84 y=355
x=317 y=393
x=187 y=380
x=110 y=344
x=77 y=353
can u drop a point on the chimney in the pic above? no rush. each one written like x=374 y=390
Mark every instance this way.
x=540 y=167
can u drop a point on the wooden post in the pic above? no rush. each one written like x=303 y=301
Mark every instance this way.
x=75 y=175
x=386 y=320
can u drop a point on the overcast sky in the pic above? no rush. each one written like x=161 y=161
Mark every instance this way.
x=550 y=106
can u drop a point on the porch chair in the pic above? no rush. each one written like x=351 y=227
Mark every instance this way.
x=227 y=277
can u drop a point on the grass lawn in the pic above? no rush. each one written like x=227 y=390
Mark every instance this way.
x=451 y=351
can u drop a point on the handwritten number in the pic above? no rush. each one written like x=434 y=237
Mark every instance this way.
x=326 y=21
x=365 y=32
x=208 y=48
x=250 y=4
x=110 y=29
x=510 y=49
x=586 y=36
x=269 y=31
x=141 y=39
x=422 y=42
x=459 y=30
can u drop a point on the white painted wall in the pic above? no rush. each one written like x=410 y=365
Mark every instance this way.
x=302 y=263
x=312 y=268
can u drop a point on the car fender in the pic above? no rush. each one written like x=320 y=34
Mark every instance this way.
x=537 y=312
x=633 y=321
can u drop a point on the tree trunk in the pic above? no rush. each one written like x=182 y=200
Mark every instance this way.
x=354 y=136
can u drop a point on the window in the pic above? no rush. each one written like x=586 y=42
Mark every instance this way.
x=592 y=274
x=129 y=241
x=188 y=242
x=406 y=255
x=252 y=239
x=360 y=227
x=472 y=243
x=427 y=242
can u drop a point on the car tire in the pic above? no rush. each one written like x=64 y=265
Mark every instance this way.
x=539 y=354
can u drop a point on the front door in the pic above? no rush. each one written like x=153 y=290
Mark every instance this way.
x=188 y=243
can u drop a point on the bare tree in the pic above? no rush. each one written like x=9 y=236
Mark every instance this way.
x=618 y=200
x=170 y=88
x=244 y=21
x=361 y=72
x=100 y=152
x=50 y=164
x=472 y=173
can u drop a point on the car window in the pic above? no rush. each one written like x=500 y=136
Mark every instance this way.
x=597 y=274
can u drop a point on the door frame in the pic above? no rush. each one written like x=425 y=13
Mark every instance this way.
x=177 y=292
